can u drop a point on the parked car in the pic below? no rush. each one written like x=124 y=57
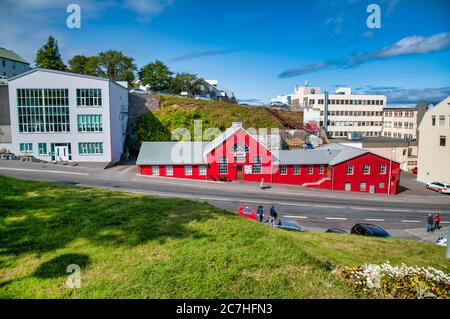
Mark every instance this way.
x=247 y=212
x=441 y=187
x=414 y=170
x=140 y=91
x=288 y=224
x=278 y=104
x=369 y=230
x=336 y=231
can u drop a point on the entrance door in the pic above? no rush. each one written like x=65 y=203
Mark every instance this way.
x=239 y=173
x=372 y=189
x=62 y=153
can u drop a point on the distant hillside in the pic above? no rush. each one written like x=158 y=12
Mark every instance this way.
x=153 y=123
x=175 y=112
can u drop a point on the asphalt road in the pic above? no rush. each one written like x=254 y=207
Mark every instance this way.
x=314 y=209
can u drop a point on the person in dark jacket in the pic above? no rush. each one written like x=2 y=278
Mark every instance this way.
x=437 y=221
x=430 y=222
x=260 y=213
x=273 y=215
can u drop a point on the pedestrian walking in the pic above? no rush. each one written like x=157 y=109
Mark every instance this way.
x=437 y=221
x=430 y=222
x=260 y=213
x=273 y=215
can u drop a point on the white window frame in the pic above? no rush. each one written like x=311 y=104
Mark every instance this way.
x=223 y=165
x=310 y=169
x=321 y=169
x=351 y=170
x=297 y=169
x=365 y=186
x=257 y=165
x=188 y=170
x=283 y=168
x=202 y=170
x=383 y=169
x=155 y=170
x=169 y=170
x=364 y=169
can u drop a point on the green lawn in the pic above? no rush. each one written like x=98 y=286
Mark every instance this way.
x=133 y=246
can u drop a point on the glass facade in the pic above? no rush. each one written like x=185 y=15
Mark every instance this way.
x=89 y=97
x=95 y=148
x=43 y=110
x=90 y=123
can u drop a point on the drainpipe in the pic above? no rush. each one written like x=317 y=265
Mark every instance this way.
x=390 y=173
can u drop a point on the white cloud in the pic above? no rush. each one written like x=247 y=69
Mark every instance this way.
x=146 y=9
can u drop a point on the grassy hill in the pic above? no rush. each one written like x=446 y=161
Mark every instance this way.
x=178 y=112
x=134 y=246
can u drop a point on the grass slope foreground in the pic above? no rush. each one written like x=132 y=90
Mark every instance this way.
x=134 y=246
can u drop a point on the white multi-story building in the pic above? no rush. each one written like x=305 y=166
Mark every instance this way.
x=343 y=113
x=60 y=116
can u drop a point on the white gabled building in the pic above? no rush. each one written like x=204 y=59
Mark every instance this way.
x=61 y=116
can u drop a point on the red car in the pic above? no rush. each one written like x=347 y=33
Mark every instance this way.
x=247 y=212
x=414 y=170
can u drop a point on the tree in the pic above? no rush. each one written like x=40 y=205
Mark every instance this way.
x=185 y=82
x=156 y=75
x=81 y=64
x=116 y=66
x=48 y=56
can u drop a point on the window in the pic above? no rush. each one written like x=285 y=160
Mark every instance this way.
x=442 y=141
x=42 y=148
x=381 y=185
x=441 y=120
x=155 y=170
x=169 y=170
x=202 y=170
x=349 y=169
x=362 y=186
x=382 y=169
x=256 y=164
x=223 y=165
x=90 y=123
x=240 y=157
x=43 y=110
x=366 y=169
x=321 y=169
x=283 y=170
x=89 y=97
x=26 y=147
x=348 y=187
x=433 y=120
x=310 y=169
x=296 y=169
x=95 y=148
x=188 y=171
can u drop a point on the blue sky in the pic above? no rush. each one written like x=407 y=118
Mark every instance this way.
x=257 y=49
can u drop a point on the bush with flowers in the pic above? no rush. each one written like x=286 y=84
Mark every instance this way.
x=406 y=282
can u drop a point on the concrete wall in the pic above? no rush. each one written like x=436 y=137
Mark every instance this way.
x=433 y=159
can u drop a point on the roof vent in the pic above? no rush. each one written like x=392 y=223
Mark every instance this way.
x=236 y=124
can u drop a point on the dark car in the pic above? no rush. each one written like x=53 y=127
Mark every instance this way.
x=288 y=224
x=336 y=231
x=369 y=230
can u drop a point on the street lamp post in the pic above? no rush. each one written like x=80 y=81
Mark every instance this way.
x=390 y=172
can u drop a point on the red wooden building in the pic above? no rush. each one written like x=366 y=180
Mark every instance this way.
x=236 y=155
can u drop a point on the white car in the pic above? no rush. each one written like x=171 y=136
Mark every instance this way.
x=441 y=187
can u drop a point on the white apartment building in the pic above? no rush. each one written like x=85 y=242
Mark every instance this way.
x=402 y=121
x=343 y=113
x=434 y=144
x=61 y=116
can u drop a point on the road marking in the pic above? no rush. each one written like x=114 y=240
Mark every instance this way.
x=374 y=220
x=410 y=221
x=42 y=171
x=328 y=206
x=395 y=210
x=363 y=208
x=299 y=217
x=445 y=222
x=336 y=218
